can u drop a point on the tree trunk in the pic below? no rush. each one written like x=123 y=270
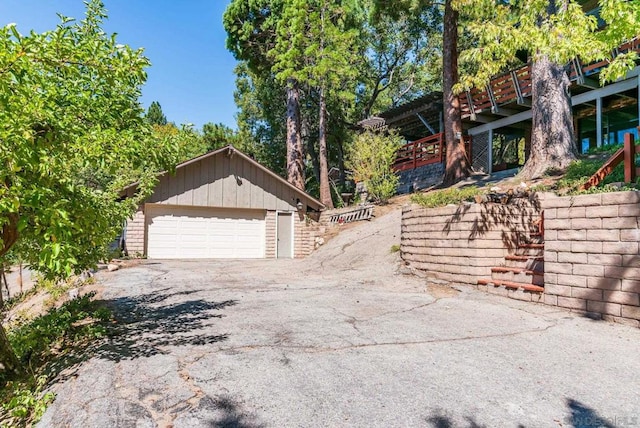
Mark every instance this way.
x=311 y=149
x=295 y=153
x=9 y=234
x=552 y=136
x=8 y=361
x=310 y=145
x=325 y=189
x=457 y=165
x=343 y=174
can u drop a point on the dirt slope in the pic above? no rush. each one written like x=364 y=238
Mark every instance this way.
x=363 y=250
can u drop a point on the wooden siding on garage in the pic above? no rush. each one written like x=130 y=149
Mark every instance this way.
x=225 y=182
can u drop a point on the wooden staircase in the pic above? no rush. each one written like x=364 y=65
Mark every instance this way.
x=522 y=270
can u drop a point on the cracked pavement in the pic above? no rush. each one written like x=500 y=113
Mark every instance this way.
x=341 y=339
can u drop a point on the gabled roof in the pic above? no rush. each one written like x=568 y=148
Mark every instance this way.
x=232 y=151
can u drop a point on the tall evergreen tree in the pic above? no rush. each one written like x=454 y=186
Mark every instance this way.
x=154 y=115
x=251 y=27
x=457 y=165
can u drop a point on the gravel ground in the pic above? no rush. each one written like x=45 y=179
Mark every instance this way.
x=341 y=339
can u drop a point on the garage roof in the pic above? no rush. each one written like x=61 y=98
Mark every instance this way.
x=231 y=151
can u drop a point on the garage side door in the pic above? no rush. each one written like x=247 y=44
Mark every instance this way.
x=204 y=233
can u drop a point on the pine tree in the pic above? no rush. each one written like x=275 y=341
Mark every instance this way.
x=154 y=115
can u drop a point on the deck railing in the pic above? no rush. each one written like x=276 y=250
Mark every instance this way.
x=626 y=154
x=515 y=85
x=425 y=151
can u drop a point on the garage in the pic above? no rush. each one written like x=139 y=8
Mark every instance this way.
x=222 y=205
x=204 y=233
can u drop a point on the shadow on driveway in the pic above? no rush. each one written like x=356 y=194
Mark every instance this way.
x=147 y=325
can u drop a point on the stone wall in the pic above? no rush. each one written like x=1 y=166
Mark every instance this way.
x=592 y=255
x=462 y=243
x=420 y=178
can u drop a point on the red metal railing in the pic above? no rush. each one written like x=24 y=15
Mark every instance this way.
x=425 y=151
x=626 y=154
x=515 y=85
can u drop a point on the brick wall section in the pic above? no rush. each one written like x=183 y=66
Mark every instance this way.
x=306 y=231
x=592 y=255
x=135 y=234
x=462 y=243
x=270 y=237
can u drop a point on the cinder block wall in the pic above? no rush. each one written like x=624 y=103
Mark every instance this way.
x=305 y=232
x=462 y=243
x=270 y=240
x=592 y=255
x=304 y=235
x=135 y=233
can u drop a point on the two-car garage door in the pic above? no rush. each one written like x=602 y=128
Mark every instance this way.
x=179 y=232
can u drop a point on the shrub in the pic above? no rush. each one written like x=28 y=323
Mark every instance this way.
x=578 y=172
x=371 y=159
x=66 y=326
x=27 y=404
x=441 y=198
x=41 y=344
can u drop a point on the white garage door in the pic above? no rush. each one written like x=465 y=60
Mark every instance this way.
x=204 y=233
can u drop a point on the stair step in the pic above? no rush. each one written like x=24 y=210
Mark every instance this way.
x=511 y=285
x=504 y=269
x=525 y=262
x=518 y=274
x=531 y=239
x=529 y=252
x=523 y=258
x=533 y=246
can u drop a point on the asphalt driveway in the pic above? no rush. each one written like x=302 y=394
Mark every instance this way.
x=342 y=339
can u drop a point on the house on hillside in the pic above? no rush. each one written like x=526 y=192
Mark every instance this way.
x=223 y=205
x=497 y=120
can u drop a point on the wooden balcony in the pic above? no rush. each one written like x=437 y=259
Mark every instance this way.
x=513 y=87
x=425 y=151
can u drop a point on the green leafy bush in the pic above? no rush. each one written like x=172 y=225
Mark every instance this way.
x=77 y=320
x=371 y=159
x=609 y=148
x=27 y=404
x=441 y=198
x=39 y=344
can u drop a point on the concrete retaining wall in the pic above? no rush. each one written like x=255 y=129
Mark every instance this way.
x=592 y=255
x=462 y=243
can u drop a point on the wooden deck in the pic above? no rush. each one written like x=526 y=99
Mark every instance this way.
x=514 y=86
x=425 y=151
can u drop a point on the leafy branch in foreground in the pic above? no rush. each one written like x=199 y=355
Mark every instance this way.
x=72 y=135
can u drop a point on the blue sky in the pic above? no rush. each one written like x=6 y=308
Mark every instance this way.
x=192 y=71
